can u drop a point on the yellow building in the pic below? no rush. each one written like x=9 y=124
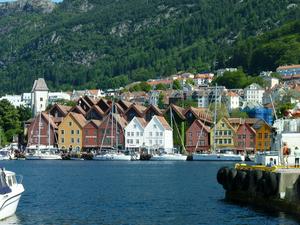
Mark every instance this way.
x=224 y=135
x=263 y=135
x=70 y=131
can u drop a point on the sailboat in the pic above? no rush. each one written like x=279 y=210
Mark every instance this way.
x=42 y=152
x=225 y=155
x=112 y=154
x=174 y=155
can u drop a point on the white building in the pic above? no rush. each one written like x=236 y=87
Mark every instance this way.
x=233 y=100
x=134 y=133
x=202 y=99
x=39 y=96
x=270 y=81
x=26 y=97
x=15 y=100
x=158 y=135
x=203 y=79
x=254 y=93
x=55 y=96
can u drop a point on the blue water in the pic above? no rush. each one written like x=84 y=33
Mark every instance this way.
x=143 y=193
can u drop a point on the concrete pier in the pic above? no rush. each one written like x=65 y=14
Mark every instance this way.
x=270 y=188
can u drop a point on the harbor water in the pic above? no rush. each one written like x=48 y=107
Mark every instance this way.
x=142 y=193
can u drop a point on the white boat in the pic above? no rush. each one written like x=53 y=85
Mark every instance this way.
x=5 y=154
x=168 y=157
x=10 y=193
x=46 y=153
x=112 y=157
x=217 y=157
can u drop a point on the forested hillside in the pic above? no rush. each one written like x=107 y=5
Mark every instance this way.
x=108 y=43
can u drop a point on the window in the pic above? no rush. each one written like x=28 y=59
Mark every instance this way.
x=229 y=132
x=259 y=135
x=128 y=141
x=41 y=99
x=86 y=132
x=72 y=131
x=157 y=134
x=137 y=141
x=62 y=132
x=78 y=140
x=70 y=123
x=150 y=142
x=202 y=143
x=160 y=141
x=150 y=134
x=95 y=132
x=225 y=141
x=128 y=134
x=225 y=132
x=154 y=126
x=137 y=134
x=62 y=140
x=161 y=134
x=77 y=132
x=141 y=133
x=266 y=135
x=190 y=134
x=251 y=136
x=221 y=141
x=223 y=125
x=229 y=141
x=251 y=144
x=134 y=125
x=239 y=136
x=72 y=140
x=244 y=136
x=132 y=133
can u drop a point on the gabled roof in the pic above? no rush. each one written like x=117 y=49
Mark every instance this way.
x=39 y=85
x=97 y=109
x=142 y=121
x=155 y=108
x=249 y=121
x=200 y=113
x=224 y=119
x=79 y=118
x=178 y=110
x=163 y=122
x=248 y=126
x=124 y=104
x=138 y=108
x=259 y=124
x=89 y=100
x=78 y=108
x=62 y=108
x=95 y=122
x=46 y=117
x=85 y=102
x=200 y=124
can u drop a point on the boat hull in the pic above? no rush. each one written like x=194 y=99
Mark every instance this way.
x=169 y=157
x=112 y=157
x=218 y=157
x=9 y=202
x=43 y=157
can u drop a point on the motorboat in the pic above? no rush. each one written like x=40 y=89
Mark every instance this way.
x=228 y=156
x=168 y=157
x=46 y=153
x=5 y=154
x=112 y=156
x=10 y=193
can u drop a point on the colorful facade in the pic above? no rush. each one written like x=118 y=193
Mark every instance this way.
x=263 y=136
x=70 y=132
x=224 y=135
x=198 y=137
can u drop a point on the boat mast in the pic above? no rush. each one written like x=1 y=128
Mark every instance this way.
x=116 y=129
x=49 y=139
x=39 y=134
x=112 y=124
x=215 y=120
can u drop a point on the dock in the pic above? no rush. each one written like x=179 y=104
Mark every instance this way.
x=274 y=188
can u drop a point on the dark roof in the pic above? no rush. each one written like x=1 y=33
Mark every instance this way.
x=39 y=85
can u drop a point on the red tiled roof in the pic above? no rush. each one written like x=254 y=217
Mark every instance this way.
x=288 y=67
x=156 y=82
x=79 y=118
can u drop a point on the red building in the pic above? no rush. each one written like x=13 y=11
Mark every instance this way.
x=245 y=138
x=38 y=130
x=90 y=135
x=111 y=132
x=198 y=137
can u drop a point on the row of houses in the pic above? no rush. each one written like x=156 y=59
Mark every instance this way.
x=93 y=124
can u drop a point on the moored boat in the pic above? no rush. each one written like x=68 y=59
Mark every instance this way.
x=10 y=193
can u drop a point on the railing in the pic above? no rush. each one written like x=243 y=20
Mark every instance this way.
x=19 y=179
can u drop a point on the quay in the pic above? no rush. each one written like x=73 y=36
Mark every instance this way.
x=273 y=188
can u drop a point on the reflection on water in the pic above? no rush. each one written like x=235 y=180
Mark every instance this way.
x=10 y=220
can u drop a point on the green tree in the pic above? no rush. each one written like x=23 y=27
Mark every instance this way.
x=161 y=86
x=145 y=86
x=176 y=85
x=236 y=113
